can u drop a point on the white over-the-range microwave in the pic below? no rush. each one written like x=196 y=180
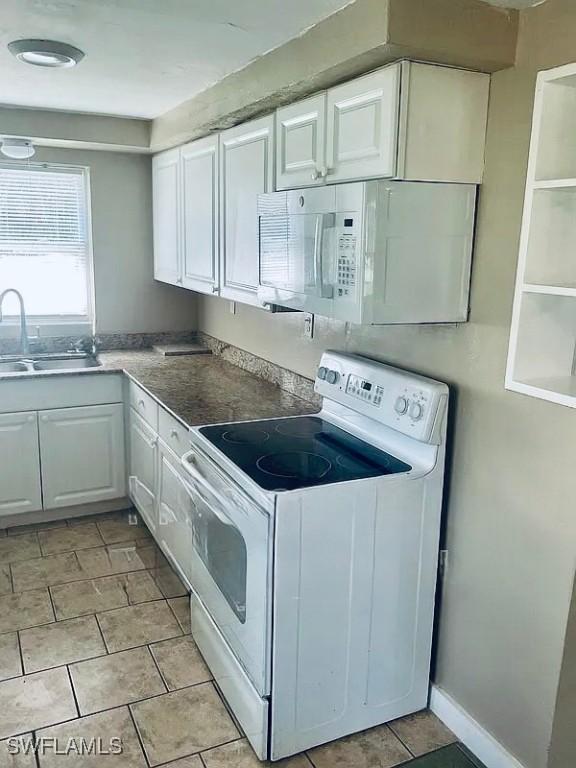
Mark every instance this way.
x=373 y=252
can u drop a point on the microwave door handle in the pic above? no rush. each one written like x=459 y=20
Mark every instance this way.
x=323 y=220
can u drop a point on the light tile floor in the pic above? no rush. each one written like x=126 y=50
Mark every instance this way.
x=95 y=644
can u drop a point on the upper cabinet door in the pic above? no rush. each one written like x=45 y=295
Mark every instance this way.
x=301 y=143
x=362 y=126
x=199 y=162
x=19 y=464
x=166 y=216
x=246 y=170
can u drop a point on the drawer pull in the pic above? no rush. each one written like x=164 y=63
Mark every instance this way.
x=141 y=404
x=174 y=434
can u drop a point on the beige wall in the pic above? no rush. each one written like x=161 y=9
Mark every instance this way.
x=563 y=746
x=511 y=530
x=128 y=299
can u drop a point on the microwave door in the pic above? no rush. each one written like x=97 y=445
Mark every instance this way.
x=293 y=253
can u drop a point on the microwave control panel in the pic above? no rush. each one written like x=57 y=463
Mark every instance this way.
x=347 y=245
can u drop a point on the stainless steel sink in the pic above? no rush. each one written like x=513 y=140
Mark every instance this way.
x=63 y=363
x=14 y=367
x=70 y=361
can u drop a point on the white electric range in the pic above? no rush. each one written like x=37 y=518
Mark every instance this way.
x=315 y=550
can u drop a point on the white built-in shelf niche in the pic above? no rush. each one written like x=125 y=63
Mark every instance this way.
x=542 y=352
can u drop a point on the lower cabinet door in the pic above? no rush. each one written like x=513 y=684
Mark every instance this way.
x=142 y=477
x=20 y=489
x=174 y=518
x=82 y=455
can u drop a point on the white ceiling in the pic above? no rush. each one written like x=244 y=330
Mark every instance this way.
x=143 y=57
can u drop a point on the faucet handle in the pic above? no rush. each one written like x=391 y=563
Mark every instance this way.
x=87 y=344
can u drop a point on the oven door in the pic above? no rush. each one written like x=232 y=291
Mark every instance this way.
x=230 y=563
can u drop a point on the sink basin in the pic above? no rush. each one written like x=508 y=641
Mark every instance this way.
x=14 y=367
x=65 y=363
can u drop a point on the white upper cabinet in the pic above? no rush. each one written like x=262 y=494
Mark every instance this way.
x=246 y=170
x=362 y=126
x=20 y=489
x=407 y=121
x=199 y=173
x=300 y=140
x=166 y=216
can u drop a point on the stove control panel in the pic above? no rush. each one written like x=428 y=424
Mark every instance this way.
x=411 y=404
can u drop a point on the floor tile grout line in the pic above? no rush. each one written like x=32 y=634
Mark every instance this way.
x=400 y=739
x=22 y=666
x=108 y=652
x=74 y=696
x=101 y=633
x=138 y=735
x=155 y=660
x=108 y=610
x=52 y=605
x=83 y=578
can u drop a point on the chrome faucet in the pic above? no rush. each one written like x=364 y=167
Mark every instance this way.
x=24 y=343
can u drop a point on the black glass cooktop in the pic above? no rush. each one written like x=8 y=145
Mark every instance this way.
x=301 y=452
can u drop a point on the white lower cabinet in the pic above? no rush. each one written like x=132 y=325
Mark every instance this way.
x=174 y=518
x=82 y=455
x=20 y=488
x=143 y=473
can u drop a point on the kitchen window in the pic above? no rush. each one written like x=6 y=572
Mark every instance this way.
x=45 y=244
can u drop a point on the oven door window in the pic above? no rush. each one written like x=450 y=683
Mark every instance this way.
x=222 y=549
x=223 y=552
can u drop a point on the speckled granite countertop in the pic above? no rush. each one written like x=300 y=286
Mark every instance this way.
x=205 y=389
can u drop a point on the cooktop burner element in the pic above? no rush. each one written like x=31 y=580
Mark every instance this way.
x=241 y=436
x=300 y=452
x=295 y=464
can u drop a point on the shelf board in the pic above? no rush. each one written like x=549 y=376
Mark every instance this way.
x=557 y=389
x=550 y=290
x=555 y=184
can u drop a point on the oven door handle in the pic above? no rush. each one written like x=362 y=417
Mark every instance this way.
x=196 y=488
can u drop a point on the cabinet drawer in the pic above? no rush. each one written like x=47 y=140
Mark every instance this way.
x=173 y=433
x=144 y=405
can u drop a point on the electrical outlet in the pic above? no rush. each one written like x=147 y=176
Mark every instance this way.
x=308 y=325
x=442 y=564
x=132 y=518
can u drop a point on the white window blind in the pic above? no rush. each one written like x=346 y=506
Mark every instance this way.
x=44 y=243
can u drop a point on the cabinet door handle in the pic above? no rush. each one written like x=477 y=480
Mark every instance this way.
x=179 y=280
x=315 y=175
x=174 y=434
x=141 y=404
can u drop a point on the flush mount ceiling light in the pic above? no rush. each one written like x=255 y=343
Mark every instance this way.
x=17 y=149
x=46 y=53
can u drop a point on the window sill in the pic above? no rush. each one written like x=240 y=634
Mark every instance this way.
x=45 y=329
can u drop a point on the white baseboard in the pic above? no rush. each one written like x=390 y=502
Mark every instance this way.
x=470 y=732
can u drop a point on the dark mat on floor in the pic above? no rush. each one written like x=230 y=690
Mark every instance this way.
x=454 y=756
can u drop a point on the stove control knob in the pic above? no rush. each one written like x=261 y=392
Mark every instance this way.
x=322 y=372
x=332 y=377
x=401 y=405
x=416 y=411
